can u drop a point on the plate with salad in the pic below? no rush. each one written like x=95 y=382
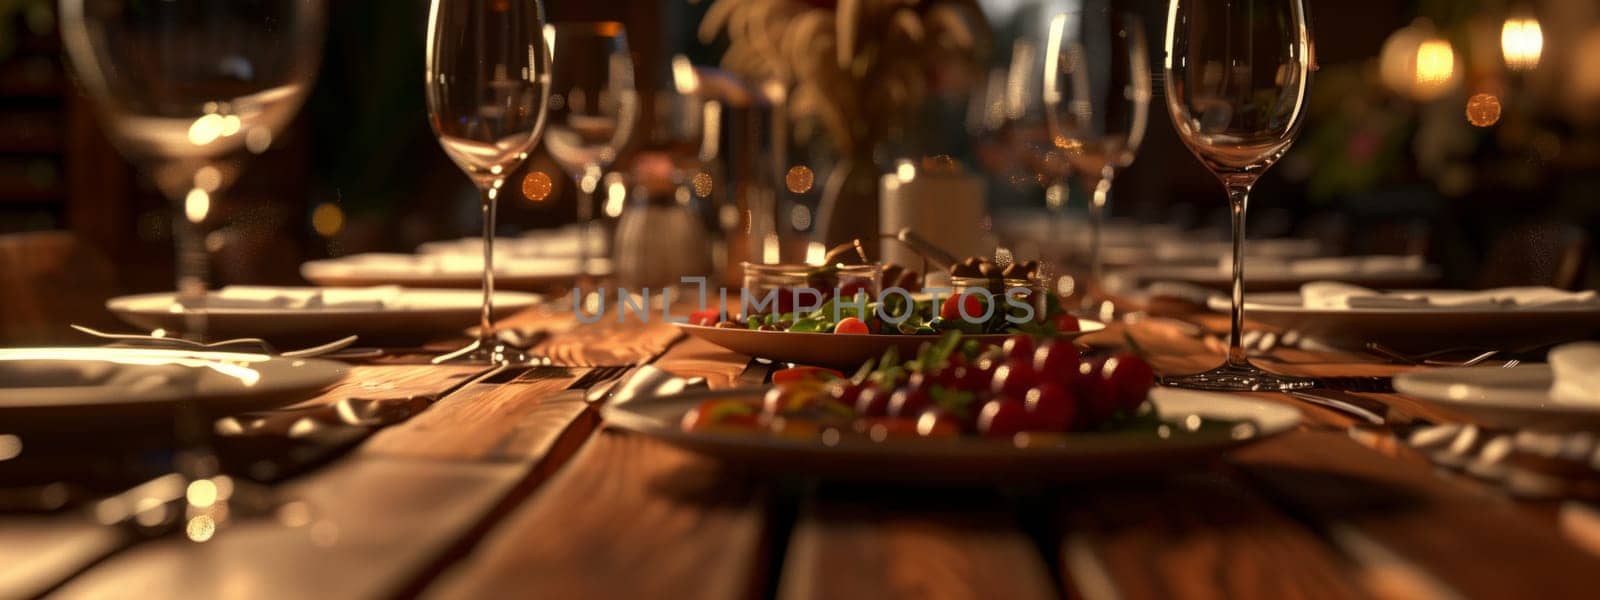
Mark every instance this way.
x=816 y=338
x=958 y=411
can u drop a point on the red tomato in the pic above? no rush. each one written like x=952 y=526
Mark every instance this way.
x=1013 y=379
x=882 y=427
x=1065 y=323
x=935 y=422
x=1050 y=407
x=707 y=317
x=1057 y=360
x=909 y=401
x=1002 y=417
x=1096 y=399
x=872 y=402
x=851 y=325
x=1129 y=378
x=713 y=414
x=951 y=310
x=800 y=373
x=1019 y=347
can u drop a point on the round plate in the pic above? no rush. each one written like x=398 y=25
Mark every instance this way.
x=1518 y=397
x=511 y=273
x=411 y=316
x=1421 y=328
x=1210 y=277
x=969 y=460
x=107 y=387
x=833 y=349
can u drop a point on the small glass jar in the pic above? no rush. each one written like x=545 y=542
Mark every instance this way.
x=1035 y=295
x=825 y=281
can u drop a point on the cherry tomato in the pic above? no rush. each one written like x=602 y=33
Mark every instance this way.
x=722 y=414
x=1056 y=360
x=1129 y=378
x=1065 y=323
x=1019 y=347
x=1013 y=379
x=909 y=401
x=1002 y=417
x=851 y=325
x=1050 y=407
x=1096 y=399
x=884 y=427
x=936 y=422
x=872 y=402
x=951 y=310
x=849 y=289
x=844 y=392
x=802 y=373
x=705 y=318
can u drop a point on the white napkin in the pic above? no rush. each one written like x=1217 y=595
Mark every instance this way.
x=1577 y=373
x=251 y=296
x=1335 y=295
x=1327 y=267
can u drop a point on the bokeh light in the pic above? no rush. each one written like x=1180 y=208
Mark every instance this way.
x=327 y=219
x=1521 y=42
x=1483 y=110
x=799 y=179
x=536 y=186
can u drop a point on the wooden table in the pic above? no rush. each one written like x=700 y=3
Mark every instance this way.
x=510 y=485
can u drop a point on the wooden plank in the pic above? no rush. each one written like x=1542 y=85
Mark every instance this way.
x=694 y=357
x=1192 y=536
x=487 y=421
x=608 y=342
x=628 y=517
x=376 y=524
x=1467 y=539
x=912 y=545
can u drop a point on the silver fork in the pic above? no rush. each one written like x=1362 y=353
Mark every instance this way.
x=1432 y=358
x=253 y=343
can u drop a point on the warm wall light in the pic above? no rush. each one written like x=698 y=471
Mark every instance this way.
x=1521 y=42
x=1436 y=69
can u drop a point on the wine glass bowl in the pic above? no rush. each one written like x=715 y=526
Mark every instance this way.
x=594 y=108
x=1097 y=95
x=1237 y=75
x=487 y=88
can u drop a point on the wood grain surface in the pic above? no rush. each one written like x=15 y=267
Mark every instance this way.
x=628 y=517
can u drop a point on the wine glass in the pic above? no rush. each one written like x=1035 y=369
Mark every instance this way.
x=1237 y=73
x=1097 y=95
x=487 y=85
x=187 y=90
x=593 y=109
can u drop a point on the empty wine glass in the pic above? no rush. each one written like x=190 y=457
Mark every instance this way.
x=593 y=109
x=187 y=90
x=1096 y=95
x=487 y=85
x=1237 y=73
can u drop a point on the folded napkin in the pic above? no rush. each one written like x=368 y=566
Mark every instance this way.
x=251 y=296
x=1577 y=373
x=1335 y=295
x=1328 y=267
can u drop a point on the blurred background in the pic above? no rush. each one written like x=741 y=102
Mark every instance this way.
x=1467 y=131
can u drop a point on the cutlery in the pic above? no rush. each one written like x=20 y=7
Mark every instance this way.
x=252 y=343
x=1368 y=410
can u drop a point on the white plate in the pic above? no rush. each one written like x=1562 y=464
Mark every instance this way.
x=1272 y=280
x=409 y=316
x=99 y=387
x=416 y=270
x=1421 y=328
x=835 y=349
x=968 y=460
x=1518 y=397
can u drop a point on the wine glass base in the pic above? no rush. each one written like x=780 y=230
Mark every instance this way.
x=1234 y=378
x=475 y=354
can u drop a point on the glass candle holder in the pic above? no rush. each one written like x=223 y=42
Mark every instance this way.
x=802 y=285
x=1001 y=288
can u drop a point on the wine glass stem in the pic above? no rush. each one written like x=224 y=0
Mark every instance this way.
x=189 y=243
x=1097 y=219
x=486 y=339
x=587 y=184
x=1238 y=199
